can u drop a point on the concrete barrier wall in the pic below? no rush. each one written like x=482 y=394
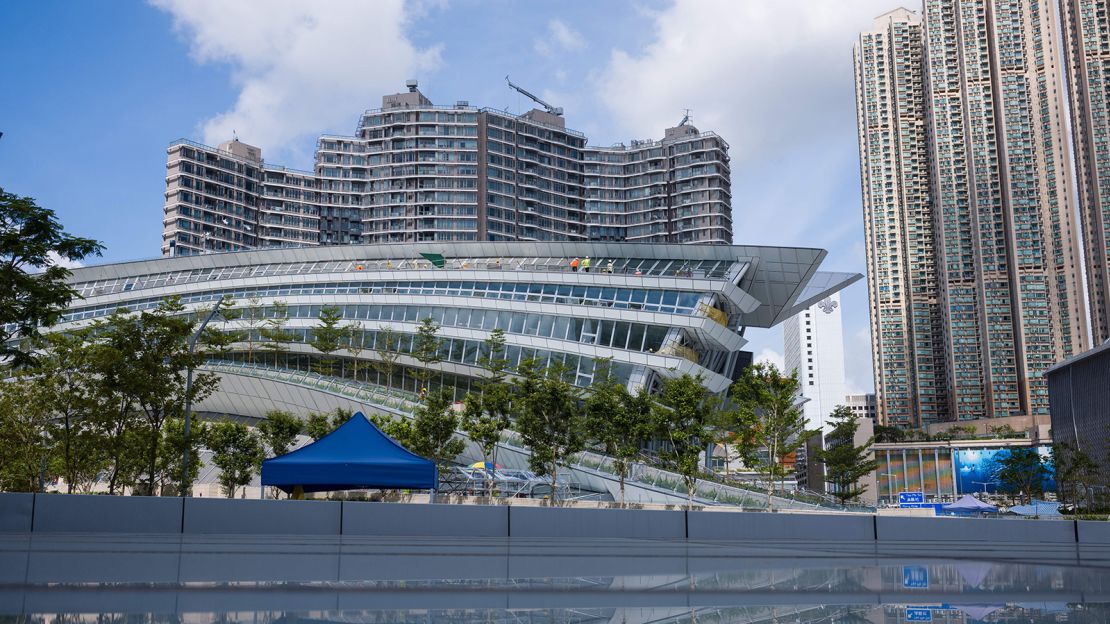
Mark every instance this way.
x=895 y=529
x=400 y=519
x=780 y=526
x=567 y=522
x=261 y=517
x=1089 y=532
x=15 y=512
x=64 y=513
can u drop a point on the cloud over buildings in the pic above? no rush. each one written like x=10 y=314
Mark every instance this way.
x=299 y=67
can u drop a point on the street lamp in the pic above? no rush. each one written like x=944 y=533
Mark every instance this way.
x=189 y=393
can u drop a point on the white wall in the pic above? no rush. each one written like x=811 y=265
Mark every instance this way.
x=814 y=346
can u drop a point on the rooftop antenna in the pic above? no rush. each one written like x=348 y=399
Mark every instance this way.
x=554 y=110
x=685 y=118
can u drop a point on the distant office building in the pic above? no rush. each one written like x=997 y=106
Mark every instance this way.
x=992 y=189
x=1086 y=33
x=814 y=347
x=862 y=405
x=906 y=336
x=416 y=172
x=1079 y=391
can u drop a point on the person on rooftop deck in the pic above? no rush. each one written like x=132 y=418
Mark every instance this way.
x=574 y=265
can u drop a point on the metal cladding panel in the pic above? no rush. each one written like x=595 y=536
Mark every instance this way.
x=597 y=523
x=774 y=527
x=261 y=517
x=71 y=513
x=399 y=519
x=15 y=512
x=974 y=530
x=1079 y=404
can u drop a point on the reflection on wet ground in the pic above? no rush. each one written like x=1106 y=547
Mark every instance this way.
x=235 y=578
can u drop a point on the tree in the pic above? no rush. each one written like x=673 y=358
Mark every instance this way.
x=317 y=426
x=433 y=429
x=1021 y=472
x=1075 y=472
x=279 y=430
x=25 y=446
x=64 y=373
x=33 y=288
x=253 y=317
x=684 y=413
x=618 y=421
x=151 y=367
x=1003 y=431
x=237 y=452
x=889 y=434
x=388 y=349
x=486 y=414
x=276 y=337
x=426 y=348
x=117 y=420
x=549 y=418
x=846 y=463
x=766 y=402
x=354 y=341
x=326 y=338
x=218 y=343
x=173 y=449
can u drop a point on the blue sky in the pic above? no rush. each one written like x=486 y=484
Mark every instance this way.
x=93 y=93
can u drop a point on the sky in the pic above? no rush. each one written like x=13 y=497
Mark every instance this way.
x=95 y=91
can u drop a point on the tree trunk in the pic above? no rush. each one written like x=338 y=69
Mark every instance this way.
x=69 y=458
x=690 y=493
x=554 y=481
x=770 y=474
x=154 y=435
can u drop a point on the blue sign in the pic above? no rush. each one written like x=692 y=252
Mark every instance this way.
x=917 y=614
x=915 y=577
x=910 y=498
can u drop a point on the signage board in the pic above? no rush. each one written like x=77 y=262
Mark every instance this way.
x=910 y=498
x=915 y=577
x=919 y=614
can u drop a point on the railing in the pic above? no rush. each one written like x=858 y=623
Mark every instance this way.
x=680 y=351
x=716 y=314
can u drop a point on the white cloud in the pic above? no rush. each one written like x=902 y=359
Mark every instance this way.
x=770 y=356
x=774 y=78
x=300 y=67
x=560 y=37
x=65 y=262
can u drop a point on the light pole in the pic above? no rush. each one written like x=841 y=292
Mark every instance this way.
x=189 y=394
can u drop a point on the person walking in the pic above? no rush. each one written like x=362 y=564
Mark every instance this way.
x=586 y=264
x=574 y=265
x=609 y=267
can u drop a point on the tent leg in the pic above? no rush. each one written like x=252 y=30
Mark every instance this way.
x=298 y=493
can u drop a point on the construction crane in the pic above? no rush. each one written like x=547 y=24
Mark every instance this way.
x=685 y=118
x=554 y=110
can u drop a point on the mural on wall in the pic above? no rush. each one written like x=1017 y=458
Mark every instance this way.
x=975 y=469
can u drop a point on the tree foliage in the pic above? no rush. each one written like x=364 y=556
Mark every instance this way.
x=279 y=431
x=846 y=463
x=33 y=287
x=684 y=414
x=327 y=338
x=618 y=421
x=275 y=338
x=388 y=349
x=237 y=452
x=1021 y=473
x=485 y=415
x=427 y=349
x=432 y=430
x=549 y=417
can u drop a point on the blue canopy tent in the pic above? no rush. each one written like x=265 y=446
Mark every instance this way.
x=357 y=455
x=970 y=504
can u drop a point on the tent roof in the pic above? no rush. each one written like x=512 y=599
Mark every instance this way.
x=969 y=503
x=1037 y=508
x=357 y=455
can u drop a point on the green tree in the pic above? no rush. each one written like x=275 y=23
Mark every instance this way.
x=766 y=402
x=275 y=337
x=486 y=414
x=1003 y=431
x=33 y=287
x=618 y=421
x=549 y=417
x=426 y=349
x=317 y=426
x=216 y=342
x=1076 y=474
x=887 y=434
x=237 y=452
x=65 y=374
x=25 y=446
x=354 y=341
x=433 y=429
x=1021 y=473
x=253 y=319
x=846 y=463
x=279 y=430
x=152 y=367
x=327 y=338
x=173 y=449
x=388 y=348
x=684 y=414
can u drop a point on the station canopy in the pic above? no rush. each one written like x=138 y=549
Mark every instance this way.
x=355 y=456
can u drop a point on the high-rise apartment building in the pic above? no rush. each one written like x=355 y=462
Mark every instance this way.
x=813 y=345
x=417 y=172
x=999 y=200
x=1086 y=35
x=906 y=335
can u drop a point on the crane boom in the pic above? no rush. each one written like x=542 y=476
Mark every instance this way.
x=554 y=110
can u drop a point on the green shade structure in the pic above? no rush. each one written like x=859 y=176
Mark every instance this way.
x=436 y=259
